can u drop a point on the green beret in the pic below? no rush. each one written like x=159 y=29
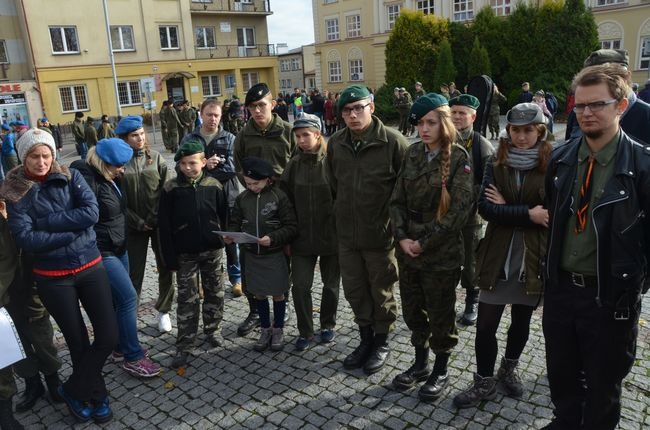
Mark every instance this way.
x=603 y=56
x=465 y=100
x=189 y=147
x=352 y=94
x=425 y=104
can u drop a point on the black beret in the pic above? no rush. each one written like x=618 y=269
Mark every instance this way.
x=256 y=168
x=257 y=92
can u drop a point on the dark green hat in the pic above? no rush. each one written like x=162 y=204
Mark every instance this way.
x=603 y=56
x=465 y=100
x=425 y=104
x=352 y=94
x=189 y=147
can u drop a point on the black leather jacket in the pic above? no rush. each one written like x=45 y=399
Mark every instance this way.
x=619 y=217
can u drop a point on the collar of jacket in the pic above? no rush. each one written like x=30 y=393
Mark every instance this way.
x=271 y=130
x=376 y=130
x=16 y=184
x=312 y=157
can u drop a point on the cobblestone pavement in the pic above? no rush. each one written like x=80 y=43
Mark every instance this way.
x=235 y=387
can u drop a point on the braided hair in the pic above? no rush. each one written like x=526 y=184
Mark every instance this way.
x=447 y=137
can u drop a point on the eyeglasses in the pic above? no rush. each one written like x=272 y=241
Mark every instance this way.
x=356 y=109
x=593 y=107
x=257 y=107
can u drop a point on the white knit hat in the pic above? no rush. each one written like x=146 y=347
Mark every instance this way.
x=31 y=138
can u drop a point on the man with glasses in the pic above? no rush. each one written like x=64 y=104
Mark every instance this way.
x=268 y=137
x=364 y=159
x=598 y=192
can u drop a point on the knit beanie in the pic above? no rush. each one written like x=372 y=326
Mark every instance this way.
x=32 y=138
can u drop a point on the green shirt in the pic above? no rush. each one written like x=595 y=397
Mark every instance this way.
x=579 y=250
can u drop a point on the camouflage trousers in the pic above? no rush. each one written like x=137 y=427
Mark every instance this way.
x=7 y=383
x=209 y=265
x=428 y=300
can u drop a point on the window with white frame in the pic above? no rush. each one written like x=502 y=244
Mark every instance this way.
x=332 y=29
x=129 y=93
x=356 y=70
x=353 y=23
x=201 y=1
x=285 y=83
x=64 y=40
x=610 y=44
x=329 y=1
x=295 y=64
x=4 y=58
x=501 y=7
x=230 y=81
x=211 y=85
x=463 y=10
x=204 y=37
x=392 y=12
x=168 y=37
x=334 y=71
x=73 y=98
x=644 y=61
x=425 y=6
x=609 y=2
x=122 y=38
x=246 y=37
x=249 y=79
x=285 y=65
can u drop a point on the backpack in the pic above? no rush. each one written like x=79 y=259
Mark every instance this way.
x=551 y=102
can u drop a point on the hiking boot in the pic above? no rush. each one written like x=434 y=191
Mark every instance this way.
x=7 y=419
x=34 y=390
x=180 y=360
x=418 y=372
x=359 y=356
x=378 y=354
x=277 y=339
x=265 y=339
x=506 y=375
x=249 y=324
x=144 y=368
x=434 y=387
x=483 y=388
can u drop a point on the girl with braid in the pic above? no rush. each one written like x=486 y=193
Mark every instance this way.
x=429 y=206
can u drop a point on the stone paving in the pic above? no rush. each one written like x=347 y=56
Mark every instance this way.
x=235 y=387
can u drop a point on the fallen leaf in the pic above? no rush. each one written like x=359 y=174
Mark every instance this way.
x=169 y=385
x=181 y=371
x=642 y=322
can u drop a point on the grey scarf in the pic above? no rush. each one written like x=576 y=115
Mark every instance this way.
x=523 y=159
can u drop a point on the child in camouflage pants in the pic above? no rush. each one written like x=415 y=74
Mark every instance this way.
x=192 y=209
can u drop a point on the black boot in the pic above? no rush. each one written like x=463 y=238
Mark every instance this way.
x=7 y=420
x=252 y=321
x=470 y=313
x=378 y=355
x=34 y=390
x=437 y=381
x=53 y=382
x=359 y=356
x=418 y=372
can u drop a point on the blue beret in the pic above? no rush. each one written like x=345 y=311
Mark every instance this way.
x=128 y=124
x=6 y=127
x=114 y=151
x=44 y=119
x=425 y=104
x=256 y=168
x=19 y=123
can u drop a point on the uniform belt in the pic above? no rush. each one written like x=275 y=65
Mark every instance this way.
x=421 y=216
x=579 y=280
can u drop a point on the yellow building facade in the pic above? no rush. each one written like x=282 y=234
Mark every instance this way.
x=351 y=35
x=183 y=49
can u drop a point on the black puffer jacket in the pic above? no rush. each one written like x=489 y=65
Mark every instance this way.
x=111 y=228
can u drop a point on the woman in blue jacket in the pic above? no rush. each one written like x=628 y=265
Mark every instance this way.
x=52 y=212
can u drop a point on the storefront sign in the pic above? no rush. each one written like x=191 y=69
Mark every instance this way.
x=10 y=88
x=11 y=99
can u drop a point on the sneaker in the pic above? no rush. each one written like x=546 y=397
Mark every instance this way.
x=80 y=410
x=264 y=340
x=303 y=343
x=328 y=335
x=180 y=360
x=164 y=322
x=277 y=339
x=237 y=290
x=144 y=368
x=118 y=357
x=102 y=412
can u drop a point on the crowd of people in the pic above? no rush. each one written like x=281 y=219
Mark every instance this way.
x=566 y=229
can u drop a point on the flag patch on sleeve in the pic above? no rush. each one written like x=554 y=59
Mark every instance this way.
x=467 y=168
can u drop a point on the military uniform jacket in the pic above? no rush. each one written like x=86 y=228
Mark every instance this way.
x=142 y=182
x=414 y=205
x=78 y=131
x=479 y=160
x=362 y=184
x=306 y=181
x=274 y=144
x=269 y=213
x=190 y=214
x=503 y=220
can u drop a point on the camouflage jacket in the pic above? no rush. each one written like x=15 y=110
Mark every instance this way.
x=414 y=205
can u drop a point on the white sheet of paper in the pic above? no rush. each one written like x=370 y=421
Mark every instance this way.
x=238 y=236
x=12 y=350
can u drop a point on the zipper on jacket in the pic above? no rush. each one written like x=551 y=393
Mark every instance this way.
x=550 y=243
x=311 y=204
x=640 y=215
x=257 y=220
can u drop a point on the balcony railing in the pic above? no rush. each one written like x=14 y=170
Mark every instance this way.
x=259 y=6
x=234 y=51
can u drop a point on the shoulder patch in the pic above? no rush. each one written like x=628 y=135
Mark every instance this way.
x=467 y=169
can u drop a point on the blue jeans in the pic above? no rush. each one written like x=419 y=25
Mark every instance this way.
x=125 y=302
x=82 y=149
x=232 y=259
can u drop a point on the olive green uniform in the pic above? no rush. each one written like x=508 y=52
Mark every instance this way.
x=163 y=126
x=428 y=282
x=173 y=124
x=362 y=180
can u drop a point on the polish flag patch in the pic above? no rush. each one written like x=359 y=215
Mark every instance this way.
x=467 y=168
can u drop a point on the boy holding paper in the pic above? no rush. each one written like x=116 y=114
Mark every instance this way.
x=192 y=209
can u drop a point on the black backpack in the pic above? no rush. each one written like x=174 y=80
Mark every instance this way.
x=551 y=102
